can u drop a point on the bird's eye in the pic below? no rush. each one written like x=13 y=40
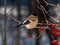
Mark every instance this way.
x=33 y=20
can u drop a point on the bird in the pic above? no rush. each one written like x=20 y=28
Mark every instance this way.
x=30 y=22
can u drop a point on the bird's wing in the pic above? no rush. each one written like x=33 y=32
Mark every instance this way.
x=33 y=22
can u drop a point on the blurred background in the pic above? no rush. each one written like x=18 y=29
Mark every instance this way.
x=19 y=10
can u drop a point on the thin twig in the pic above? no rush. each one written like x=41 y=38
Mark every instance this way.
x=49 y=3
x=11 y=16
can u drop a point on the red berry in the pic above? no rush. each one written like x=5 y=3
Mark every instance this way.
x=55 y=42
x=53 y=26
x=30 y=36
x=56 y=32
x=41 y=29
